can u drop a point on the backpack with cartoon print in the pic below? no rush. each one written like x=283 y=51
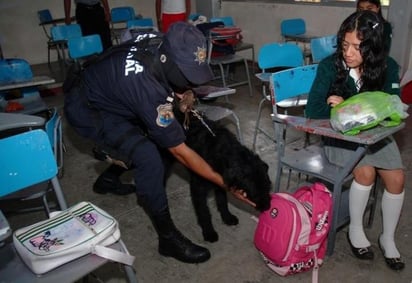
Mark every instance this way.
x=292 y=235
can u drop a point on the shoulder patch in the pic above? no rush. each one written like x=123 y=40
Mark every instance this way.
x=165 y=115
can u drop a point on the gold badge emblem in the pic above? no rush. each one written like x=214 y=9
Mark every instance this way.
x=200 y=55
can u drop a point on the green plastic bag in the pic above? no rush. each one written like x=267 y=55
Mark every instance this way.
x=367 y=110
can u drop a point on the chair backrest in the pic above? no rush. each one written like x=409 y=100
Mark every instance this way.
x=84 y=46
x=322 y=47
x=138 y=23
x=272 y=55
x=293 y=26
x=293 y=82
x=122 y=14
x=16 y=172
x=227 y=21
x=64 y=32
x=15 y=70
x=44 y=16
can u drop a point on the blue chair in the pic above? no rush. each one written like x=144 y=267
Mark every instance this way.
x=119 y=18
x=122 y=14
x=273 y=57
x=14 y=71
x=295 y=30
x=84 y=46
x=290 y=27
x=139 y=25
x=54 y=131
x=227 y=21
x=322 y=47
x=17 y=176
x=45 y=17
x=60 y=35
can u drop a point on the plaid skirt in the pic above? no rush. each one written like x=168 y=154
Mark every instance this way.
x=383 y=155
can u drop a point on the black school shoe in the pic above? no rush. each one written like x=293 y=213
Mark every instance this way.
x=361 y=253
x=394 y=263
x=105 y=184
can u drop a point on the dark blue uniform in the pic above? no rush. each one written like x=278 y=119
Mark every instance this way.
x=137 y=119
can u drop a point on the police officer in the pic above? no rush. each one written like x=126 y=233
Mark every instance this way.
x=134 y=96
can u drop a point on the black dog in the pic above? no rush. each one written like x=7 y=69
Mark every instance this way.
x=240 y=167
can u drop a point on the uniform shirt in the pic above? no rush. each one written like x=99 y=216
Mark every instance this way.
x=124 y=87
x=317 y=106
x=173 y=6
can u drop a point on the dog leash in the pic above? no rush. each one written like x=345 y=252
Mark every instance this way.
x=199 y=116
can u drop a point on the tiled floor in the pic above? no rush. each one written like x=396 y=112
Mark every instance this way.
x=234 y=257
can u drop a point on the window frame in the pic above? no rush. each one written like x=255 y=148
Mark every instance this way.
x=337 y=3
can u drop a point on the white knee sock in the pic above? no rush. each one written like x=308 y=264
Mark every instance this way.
x=358 y=199
x=391 y=211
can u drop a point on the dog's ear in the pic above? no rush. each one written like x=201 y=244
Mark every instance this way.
x=230 y=175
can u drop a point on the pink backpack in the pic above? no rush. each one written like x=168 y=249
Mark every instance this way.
x=292 y=235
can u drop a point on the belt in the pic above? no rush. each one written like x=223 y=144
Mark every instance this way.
x=86 y=6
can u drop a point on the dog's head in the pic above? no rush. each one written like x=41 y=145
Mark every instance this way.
x=253 y=178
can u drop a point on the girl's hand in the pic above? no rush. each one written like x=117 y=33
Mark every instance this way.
x=334 y=100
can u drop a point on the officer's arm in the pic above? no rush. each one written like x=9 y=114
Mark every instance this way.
x=196 y=163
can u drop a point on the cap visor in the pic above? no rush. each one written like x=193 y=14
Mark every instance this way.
x=197 y=75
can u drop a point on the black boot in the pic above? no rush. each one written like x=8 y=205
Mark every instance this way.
x=173 y=243
x=109 y=182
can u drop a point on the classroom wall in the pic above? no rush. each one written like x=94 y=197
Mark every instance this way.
x=22 y=37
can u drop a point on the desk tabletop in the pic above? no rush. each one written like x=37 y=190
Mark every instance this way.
x=322 y=127
x=37 y=80
x=16 y=120
x=32 y=104
x=56 y=21
x=301 y=37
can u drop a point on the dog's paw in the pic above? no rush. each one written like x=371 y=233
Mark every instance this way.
x=230 y=219
x=210 y=236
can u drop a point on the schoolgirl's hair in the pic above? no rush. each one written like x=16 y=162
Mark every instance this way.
x=369 y=30
x=377 y=3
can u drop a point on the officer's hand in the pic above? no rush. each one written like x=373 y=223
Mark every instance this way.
x=241 y=195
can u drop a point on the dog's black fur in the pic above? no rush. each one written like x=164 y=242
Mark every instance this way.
x=240 y=167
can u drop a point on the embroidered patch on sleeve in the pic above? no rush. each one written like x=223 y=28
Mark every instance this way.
x=165 y=115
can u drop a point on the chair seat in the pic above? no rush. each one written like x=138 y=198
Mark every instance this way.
x=13 y=121
x=14 y=267
x=293 y=102
x=263 y=77
x=316 y=163
x=243 y=46
x=226 y=59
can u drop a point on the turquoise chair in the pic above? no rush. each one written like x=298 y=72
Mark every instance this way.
x=322 y=47
x=143 y=22
x=84 y=46
x=273 y=57
x=122 y=14
x=119 y=18
x=227 y=21
x=60 y=35
x=18 y=175
x=290 y=27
